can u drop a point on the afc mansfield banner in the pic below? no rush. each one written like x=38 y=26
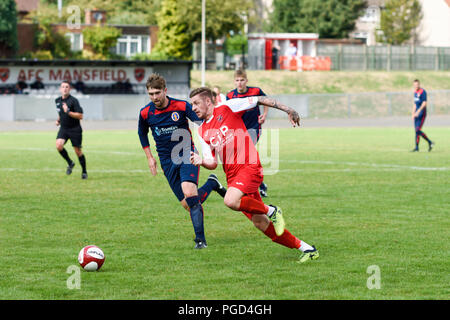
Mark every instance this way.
x=87 y=74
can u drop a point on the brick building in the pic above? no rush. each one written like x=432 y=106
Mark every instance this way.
x=134 y=39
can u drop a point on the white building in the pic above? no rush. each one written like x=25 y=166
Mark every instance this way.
x=366 y=26
x=434 y=31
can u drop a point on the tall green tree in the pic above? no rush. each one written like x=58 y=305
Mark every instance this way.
x=173 y=38
x=179 y=23
x=399 y=21
x=328 y=18
x=222 y=17
x=8 y=28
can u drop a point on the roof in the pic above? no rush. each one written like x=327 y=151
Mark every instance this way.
x=378 y=3
x=98 y=63
x=27 y=5
x=284 y=36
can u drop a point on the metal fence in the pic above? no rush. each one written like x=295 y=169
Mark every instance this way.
x=361 y=57
x=316 y=106
x=362 y=105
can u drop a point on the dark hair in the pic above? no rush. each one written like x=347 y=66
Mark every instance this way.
x=416 y=80
x=66 y=81
x=203 y=91
x=156 y=81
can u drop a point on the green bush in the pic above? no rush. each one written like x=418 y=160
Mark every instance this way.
x=99 y=40
x=54 y=42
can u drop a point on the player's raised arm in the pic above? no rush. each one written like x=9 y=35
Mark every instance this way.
x=272 y=103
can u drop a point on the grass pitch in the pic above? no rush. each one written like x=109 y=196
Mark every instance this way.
x=357 y=194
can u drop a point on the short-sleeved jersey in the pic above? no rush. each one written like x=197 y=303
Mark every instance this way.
x=66 y=121
x=225 y=135
x=419 y=97
x=250 y=117
x=169 y=126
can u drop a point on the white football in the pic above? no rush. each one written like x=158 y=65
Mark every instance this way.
x=91 y=258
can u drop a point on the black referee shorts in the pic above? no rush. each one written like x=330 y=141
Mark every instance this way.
x=75 y=135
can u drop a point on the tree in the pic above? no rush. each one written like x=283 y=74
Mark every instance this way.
x=8 y=28
x=51 y=44
x=328 y=18
x=236 y=44
x=222 y=17
x=173 y=38
x=179 y=23
x=399 y=21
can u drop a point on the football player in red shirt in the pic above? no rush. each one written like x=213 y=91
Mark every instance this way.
x=223 y=134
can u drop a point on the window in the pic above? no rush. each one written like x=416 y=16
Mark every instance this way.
x=128 y=45
x=76 y=41
x=145 y=44
x=371 y=14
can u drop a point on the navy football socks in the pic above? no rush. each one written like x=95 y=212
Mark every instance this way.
x=196 y=212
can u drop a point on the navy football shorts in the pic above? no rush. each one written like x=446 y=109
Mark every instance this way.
x=178 y=173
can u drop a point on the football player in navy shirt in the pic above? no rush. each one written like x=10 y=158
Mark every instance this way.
x=419 y=113
x=253 y=119
x=167 y=118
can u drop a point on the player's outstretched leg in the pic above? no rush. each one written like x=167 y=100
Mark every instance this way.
x=212 y=183
x=218 y=187
x=254 y=206
x=288 y=240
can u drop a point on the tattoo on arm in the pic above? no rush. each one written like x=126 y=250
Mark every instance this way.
x=265 y=101
x=293 y=115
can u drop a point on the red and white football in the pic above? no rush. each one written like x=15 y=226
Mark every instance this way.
x=91 y=258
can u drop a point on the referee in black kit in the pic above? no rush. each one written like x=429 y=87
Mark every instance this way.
x=69 y=115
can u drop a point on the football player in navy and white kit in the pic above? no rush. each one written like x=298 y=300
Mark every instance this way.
x=419 y=113
x=167 y=118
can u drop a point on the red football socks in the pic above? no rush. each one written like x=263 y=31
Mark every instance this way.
x=287 y=239
x=253 y=206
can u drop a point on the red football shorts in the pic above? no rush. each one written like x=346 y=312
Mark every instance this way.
x=248 y=180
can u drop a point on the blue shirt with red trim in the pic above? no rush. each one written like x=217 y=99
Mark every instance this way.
x=250 y=117
x=169 y=126
x=419 y=97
